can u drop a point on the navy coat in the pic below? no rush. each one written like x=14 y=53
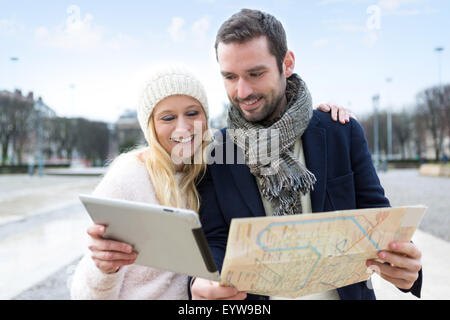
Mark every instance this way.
x=338 y=156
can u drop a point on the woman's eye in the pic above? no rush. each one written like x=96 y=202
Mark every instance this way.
x=192 y=113
x=167 y=118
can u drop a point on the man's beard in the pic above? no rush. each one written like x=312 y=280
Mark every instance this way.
x=266 y=115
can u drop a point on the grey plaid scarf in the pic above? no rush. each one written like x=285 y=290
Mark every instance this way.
x=282 y=176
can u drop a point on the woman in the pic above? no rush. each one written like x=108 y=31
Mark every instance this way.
x=173 y=114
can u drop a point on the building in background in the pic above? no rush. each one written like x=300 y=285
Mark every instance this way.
x=128 y=132
x=20 y=116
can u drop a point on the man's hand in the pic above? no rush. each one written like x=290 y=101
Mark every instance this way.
x=203 y=289
x=109 y=255
x=404 y=264
x=340 y=112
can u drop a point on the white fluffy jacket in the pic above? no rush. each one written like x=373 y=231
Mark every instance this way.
x=127 y=179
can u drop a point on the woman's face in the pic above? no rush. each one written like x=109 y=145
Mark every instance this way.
x=180 y=123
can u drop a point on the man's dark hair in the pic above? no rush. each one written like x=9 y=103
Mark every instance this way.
x=249 y=24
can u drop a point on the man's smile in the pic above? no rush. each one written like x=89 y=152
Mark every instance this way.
x=250 y=105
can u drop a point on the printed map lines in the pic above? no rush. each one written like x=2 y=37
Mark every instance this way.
x=273 y=225
x=341 y=246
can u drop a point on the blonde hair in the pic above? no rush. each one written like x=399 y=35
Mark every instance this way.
x=161 y=170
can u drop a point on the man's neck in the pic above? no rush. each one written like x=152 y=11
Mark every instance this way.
x=277 y=114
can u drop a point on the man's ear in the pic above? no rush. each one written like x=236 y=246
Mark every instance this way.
x=289 y=64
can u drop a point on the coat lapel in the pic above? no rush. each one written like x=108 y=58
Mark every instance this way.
x=315 y=150
x=248 y=188
x=244 y=180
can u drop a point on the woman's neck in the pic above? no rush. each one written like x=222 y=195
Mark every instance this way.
x=178 y=167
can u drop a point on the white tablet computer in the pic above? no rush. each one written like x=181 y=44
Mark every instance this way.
x=165 y=238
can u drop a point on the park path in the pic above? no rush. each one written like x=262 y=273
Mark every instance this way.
x=39 y=248
x=42 y=225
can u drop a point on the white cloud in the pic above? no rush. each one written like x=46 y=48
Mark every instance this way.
x=390 y=4
x=179 y=31
x=373 y=17
x=405 y=7
x=348 y=27
x=80 y=33
x=390 y=7
x=176 y=29
x=201 y=27
x=370 y=38
x=396 y=4
x=76 y=33
x=320 y=43
x=9 y=27
x=122 y=41
x=412 y=12
x=327 y=2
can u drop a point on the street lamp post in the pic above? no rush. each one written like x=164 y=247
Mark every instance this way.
x=375 y=100
x=72 y=87
x=39 y=127
x=14 y=60
x=389 y=121
x=439 y=51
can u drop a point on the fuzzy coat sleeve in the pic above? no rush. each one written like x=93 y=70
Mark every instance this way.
x=126 y=179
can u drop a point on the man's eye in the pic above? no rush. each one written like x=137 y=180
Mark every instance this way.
x=256 y=74
x=230 y=77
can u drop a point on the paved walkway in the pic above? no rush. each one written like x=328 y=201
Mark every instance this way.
x=42 y=227
x=23 y=196
x=435 y=267
x=407 y=187
x=40 y=248
x=35 y=254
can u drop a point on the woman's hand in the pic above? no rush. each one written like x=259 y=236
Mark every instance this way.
x=109 y=255
x=340 y=112
x=203 y=289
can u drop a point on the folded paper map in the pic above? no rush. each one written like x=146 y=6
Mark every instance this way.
x=298 y=255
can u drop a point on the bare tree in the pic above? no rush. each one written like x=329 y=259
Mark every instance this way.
x=8 y=123
x=430 y=103
x=16 y=123
x=368 y=124
x=6 y=126
x=446 y=108
x=23 y=114
x=420 y=130
x=402 y=130
x=93 y=140
x=63 y=135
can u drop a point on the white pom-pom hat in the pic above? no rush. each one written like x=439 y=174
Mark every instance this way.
x=164 y=82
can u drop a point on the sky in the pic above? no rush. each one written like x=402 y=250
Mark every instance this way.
x=91 y=58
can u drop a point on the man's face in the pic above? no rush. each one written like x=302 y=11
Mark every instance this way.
x=252 y=79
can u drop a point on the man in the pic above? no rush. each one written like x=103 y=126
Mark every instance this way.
x=323 y=166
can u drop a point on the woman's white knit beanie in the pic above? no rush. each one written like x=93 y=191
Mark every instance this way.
x=164 y=82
